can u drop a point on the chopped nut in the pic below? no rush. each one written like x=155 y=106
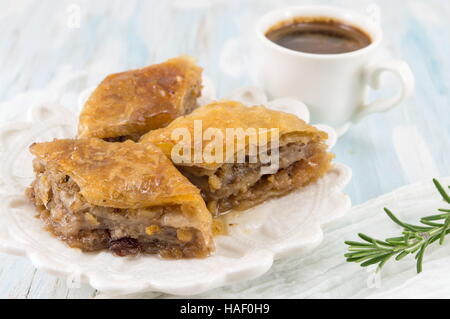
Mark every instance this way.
x=212 y=206
x=91 y=219
x=45 y=192
x=152 y=229
x=184 y=235
x=214 y=182
x=218 y=227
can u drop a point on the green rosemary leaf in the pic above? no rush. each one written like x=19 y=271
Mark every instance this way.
x=434 y=238
x=395 y=244
x=441 y=190
x=420 y=228
x=361 y=259
x=420 y=257
x=415 y=239
x=401 y=255
x=407 y=236
x=415 y=248
x=361 y=254
x=366 y=238
x=426 y=222
x=382 y=245
x=358 y=249
x=374 y=260
x=436 y=217
x=356 y=243
x=398 y=221
x=400 y=239
x=374 y=241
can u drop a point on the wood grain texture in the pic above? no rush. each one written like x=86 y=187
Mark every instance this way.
x=117 y=35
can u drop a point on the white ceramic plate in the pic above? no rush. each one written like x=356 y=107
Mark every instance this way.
x=275 y=229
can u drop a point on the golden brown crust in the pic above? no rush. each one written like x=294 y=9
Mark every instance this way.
x=128 y=176
x=137 y=101
x=230 y=114
x=120 y=175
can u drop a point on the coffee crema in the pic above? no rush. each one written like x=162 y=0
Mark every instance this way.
x=319 y=35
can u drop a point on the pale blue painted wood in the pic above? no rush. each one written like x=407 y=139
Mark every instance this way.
x=127 y=34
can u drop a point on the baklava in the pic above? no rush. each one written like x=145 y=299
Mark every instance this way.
x=128 y=104
x=227 y=182
x=125 y=197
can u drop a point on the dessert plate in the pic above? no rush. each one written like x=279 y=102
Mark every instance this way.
x=275 y=229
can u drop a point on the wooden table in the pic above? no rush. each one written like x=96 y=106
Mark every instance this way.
x=385 y=151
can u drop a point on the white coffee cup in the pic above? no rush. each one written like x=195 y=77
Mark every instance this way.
x=333 y=86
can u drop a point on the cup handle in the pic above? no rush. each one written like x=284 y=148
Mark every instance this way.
x=372 y=77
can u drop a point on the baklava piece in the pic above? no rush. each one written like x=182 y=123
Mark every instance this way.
x=126 y=105
x=232 y=184
x=125 y=197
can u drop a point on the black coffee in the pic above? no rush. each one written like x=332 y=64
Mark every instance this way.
x=318 y=35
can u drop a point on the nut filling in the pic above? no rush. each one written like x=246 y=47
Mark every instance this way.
x=241 y=185
x=125 y=232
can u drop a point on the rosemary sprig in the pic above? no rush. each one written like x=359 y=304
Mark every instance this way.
x=414 y=240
